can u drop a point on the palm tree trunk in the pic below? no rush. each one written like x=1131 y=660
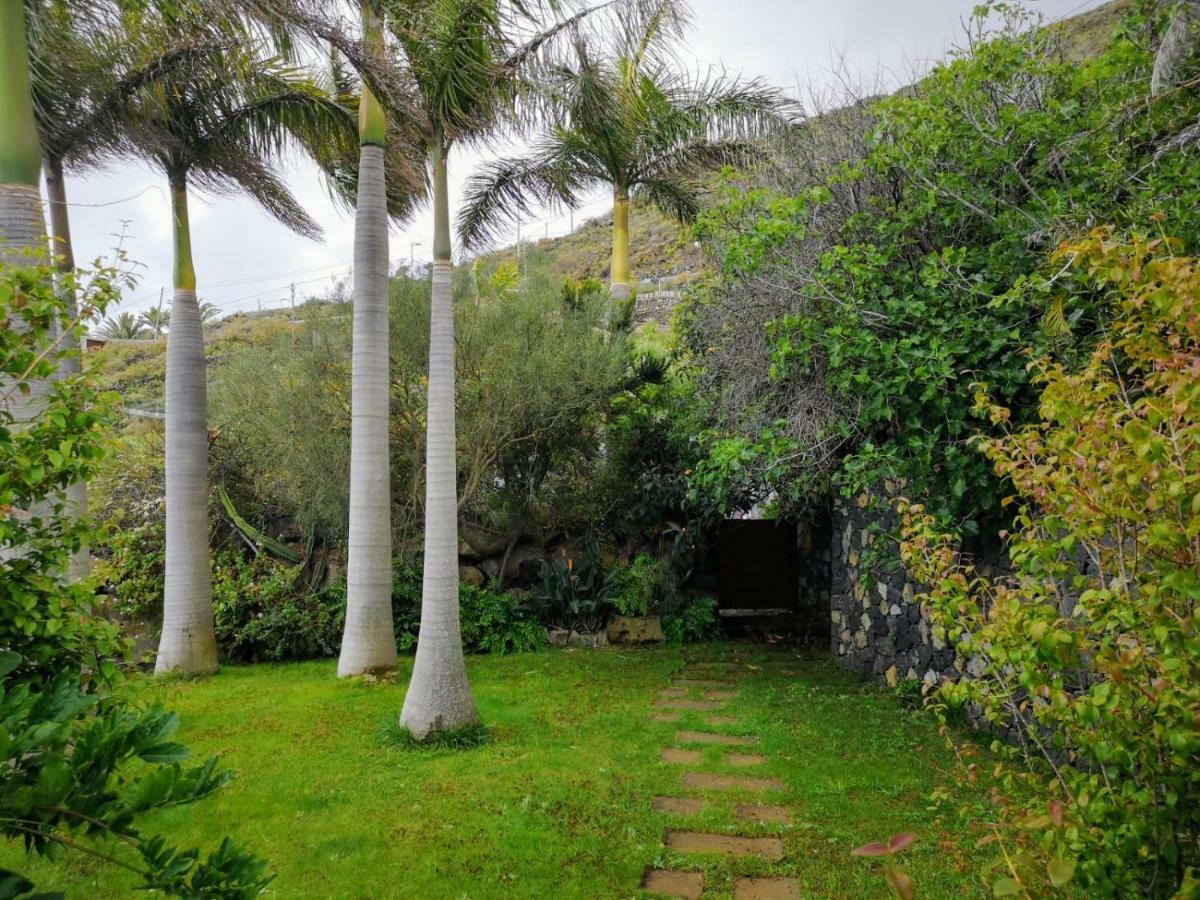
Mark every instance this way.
x=22 y=227
x=188 y=642
x=439 y=697
x=1177 y=45
x=619 y=271
x=64 y=261
x=369 y=638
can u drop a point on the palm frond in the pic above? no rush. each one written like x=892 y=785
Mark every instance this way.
x=678 y=199
x=503 y=191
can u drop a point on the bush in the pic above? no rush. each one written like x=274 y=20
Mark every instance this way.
x=263 y=614
x=694 y=618
x=491 y=621
x=646 y=587
x=1089 y=656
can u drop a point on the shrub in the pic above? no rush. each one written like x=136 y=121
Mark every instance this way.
x=494 y=622
x=261 y=612
x=694 y=618
x=1089 y=656
x=646 y=587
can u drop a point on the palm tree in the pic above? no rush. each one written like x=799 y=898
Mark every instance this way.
x=467 y=60
x=632 y=121
x=369 y=639
x=124 y=327
x=156 y=320
x=90 y=63
x=215 y=127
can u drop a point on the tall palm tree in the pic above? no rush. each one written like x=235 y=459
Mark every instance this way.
x=467 y=60
x=369 y=639
x=89 y=63
x=216 y=127
x=630 y=119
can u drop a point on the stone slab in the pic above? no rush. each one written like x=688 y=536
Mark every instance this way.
x=763 y=813
x=725 y=844
x=766 y=889
x=680 y=806
x=706 y=781
x=665 y=717
x=672 y=693
x=673 y=755
x=705 y=737
x=744 y=760
x=701 y=682
x=687 y=704
x=674 y=883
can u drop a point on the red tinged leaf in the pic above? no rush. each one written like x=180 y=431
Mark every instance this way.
x=874 y=848
x=1056 y=813
x=900 y=841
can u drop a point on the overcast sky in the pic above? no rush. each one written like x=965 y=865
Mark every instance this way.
x=244 y=259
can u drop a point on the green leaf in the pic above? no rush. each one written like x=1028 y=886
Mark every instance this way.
x=1005 y=887
x=9 y=660
x=1060 y=871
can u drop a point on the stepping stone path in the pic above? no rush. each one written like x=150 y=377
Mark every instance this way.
x=715 y=682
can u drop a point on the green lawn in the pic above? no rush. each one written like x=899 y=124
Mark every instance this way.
x=559 y=804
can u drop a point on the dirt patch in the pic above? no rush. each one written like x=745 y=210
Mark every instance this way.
x=766 y=889
x=672 y=755
x=726 y=844
x=762 y=812
x=704 y=737
x=744 y=760
x=680 y=806
x=706 y=781
x=673 y=883
x=686 y=704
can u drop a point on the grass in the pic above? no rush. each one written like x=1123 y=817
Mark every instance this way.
x=557 y=801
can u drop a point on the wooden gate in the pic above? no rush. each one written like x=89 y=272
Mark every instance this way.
x=758 y=570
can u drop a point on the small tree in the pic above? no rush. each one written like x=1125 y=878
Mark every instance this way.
x=1089 y=656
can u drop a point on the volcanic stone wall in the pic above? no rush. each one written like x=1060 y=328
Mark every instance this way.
x=876 y=624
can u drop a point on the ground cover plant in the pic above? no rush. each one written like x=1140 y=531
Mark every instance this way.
x=558 y=800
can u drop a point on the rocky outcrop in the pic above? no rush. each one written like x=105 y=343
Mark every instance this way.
x=635 y=630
